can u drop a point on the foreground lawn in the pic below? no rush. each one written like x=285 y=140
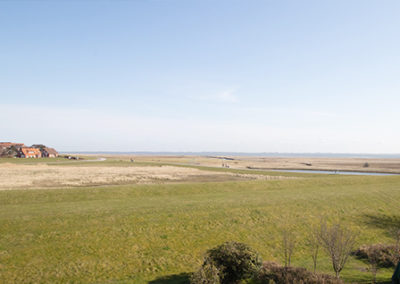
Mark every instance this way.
x=141 y=233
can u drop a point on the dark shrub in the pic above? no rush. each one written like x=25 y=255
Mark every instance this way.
x=9 y=152
x=381 y=254
x=234 y=261
x=274 y=273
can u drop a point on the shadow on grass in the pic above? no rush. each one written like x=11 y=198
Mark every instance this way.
x=182 y=278
x=389 y=223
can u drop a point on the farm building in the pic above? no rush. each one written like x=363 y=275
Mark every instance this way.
x=26 y=152
x=19 y=150
x=49 y=152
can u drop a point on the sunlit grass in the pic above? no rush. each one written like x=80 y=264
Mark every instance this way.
x=137 y=233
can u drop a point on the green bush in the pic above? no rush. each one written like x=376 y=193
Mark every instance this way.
x=207 y=274
x=274 y=273
x=235 y=261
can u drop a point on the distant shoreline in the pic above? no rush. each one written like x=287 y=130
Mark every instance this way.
x=266 y=154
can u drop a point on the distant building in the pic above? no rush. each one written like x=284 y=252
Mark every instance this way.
x=9 y=149
x=26 y=152
x=4 y=145
x=19 y=150
x=49 y=152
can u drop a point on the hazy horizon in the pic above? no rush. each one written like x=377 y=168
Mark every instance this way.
x=201 y=76
x=244 y=154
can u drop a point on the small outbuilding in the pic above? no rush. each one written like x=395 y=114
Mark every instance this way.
x=49 y=152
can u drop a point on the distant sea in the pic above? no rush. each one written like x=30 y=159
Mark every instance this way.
x=265 y=154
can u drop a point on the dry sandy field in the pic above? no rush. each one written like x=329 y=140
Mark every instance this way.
x=118 y=169
x=267 y=163
x=22 y=176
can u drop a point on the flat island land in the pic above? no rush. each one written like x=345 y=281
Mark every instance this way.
x=150 y=219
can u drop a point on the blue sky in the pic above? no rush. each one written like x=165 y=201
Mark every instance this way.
x=166 y=75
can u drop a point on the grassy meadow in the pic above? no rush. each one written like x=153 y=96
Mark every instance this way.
x=156 y=233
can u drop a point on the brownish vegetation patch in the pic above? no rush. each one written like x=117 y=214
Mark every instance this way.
x=13 y=176
x=243 y=162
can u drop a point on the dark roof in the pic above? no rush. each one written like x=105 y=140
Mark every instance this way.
x=51 y=151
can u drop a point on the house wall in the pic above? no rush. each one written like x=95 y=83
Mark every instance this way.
x=30 y=153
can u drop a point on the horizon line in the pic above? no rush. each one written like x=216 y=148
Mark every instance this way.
x=218 y=153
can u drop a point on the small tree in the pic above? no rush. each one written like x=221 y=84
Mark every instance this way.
x=338 y=243
x=235 y=261
x=374 y=254
x=39 y=146
x=288 y=244
x=314 y=244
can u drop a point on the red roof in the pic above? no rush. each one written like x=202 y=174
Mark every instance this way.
x=31 y=152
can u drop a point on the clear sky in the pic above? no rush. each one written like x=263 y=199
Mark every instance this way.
x=205 y=75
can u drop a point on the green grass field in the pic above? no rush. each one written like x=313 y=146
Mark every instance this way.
x=157 y=233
